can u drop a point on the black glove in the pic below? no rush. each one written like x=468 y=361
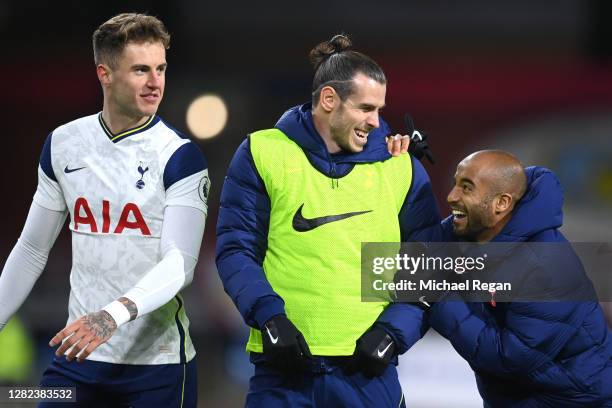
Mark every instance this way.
x=418 y=141
x=375 y=349
x=284 y=346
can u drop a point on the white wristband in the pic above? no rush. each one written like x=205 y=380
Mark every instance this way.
x=118 y=312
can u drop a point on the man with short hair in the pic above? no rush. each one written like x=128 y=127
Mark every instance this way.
x=525 y=353
x=297 y=203
x=136 y=193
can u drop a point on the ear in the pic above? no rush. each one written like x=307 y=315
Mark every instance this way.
x=504 y=203
x=104 y=74
x=328 y=98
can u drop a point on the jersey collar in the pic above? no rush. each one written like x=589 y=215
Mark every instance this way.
x=129 y=132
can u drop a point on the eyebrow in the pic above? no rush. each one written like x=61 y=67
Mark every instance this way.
x=369 y=106
x=466 y=180
x=146 y=67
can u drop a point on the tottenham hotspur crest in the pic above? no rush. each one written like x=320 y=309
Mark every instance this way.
x=142 y=170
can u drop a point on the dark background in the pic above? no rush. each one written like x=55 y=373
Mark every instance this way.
x=531 y=77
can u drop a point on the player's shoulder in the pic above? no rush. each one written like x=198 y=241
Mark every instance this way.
x=183 y=157
x=169 y=133
x=74 y=127
x=77 y=123
x=174 y=142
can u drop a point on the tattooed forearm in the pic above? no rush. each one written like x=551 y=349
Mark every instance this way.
x=130 y=306
x=101 y=324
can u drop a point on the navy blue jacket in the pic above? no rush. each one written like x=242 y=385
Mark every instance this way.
x=243 y=223
x=532 y=354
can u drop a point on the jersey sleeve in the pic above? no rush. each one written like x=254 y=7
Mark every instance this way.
x=180 y=243
x=48 y=192
x=28 y=258
x=242 y=241
x=186 y=178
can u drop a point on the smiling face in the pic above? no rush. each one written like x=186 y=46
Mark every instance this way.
x=471 y=200
x=135 y=86
x=351 y=120
x=488 y=184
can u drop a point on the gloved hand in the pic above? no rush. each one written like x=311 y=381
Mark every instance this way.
x=284 y=346
x=418 y=141
x=375 y=349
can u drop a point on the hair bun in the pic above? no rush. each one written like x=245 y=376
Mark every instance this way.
x=340 y=42
x=324 y=50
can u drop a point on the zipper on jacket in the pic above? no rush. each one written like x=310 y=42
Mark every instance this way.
x=334 y=180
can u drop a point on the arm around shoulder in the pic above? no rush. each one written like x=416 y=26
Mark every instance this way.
x=419 y=213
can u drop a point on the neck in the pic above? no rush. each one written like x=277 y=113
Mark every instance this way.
x=490 y=233
x=321 y=124
x=118 y=121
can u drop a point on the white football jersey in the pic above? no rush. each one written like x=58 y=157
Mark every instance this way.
x=116 y=188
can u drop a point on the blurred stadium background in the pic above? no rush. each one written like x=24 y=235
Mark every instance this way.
x=531 y=77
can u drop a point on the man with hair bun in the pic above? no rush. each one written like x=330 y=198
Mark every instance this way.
x=297 y=203
x=135 y=191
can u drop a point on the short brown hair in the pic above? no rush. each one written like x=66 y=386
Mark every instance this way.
x=111 y=37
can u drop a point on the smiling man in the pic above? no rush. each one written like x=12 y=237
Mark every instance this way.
x=136 y=192
x=480 y=213
x=296 y=205
x=552 y=348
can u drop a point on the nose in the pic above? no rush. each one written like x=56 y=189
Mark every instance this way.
x=453 y=196
x=155 y=79
x=372 y=120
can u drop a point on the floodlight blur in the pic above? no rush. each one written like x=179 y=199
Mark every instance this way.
x=206 y=116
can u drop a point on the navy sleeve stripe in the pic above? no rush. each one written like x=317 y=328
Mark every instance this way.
x=185 y=161
x=45 y=159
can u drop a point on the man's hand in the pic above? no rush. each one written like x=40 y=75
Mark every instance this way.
x=84 y=335
x=375 y=349
x=418 y=146
x=284 y=346
x=398 y=144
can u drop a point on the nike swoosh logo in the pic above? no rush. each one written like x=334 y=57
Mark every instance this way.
x=422 y=300
x=382 y=353
x=273 y=339
x=302 y=224
x=67 y=170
